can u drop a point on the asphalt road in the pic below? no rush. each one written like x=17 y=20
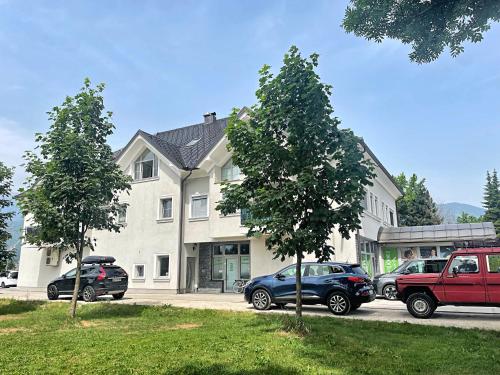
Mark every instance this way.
x=378 y=310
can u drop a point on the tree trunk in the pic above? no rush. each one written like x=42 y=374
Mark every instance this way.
x=298 y=286
x=72 y=311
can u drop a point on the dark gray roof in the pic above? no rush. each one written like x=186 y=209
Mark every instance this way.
x=437 y=233
x=185 y=147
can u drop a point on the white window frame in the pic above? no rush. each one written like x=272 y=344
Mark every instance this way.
x=371 y=203
x=233 y=167
x=157 y=267
x=124 y=222
x=393 y=223
x=139 y=160
x=376 y=206
x=161 y=218
x=198 y=196
x=52 y=255
x=134 y=274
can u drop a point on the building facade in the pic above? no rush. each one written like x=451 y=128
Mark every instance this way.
x=172 y=236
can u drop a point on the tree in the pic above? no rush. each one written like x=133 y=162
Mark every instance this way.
x=492 y=200
x=302 y=174
x=416 y=206
x=465 y=218
x=73 y=185
x=5 y=216
x=428 y=25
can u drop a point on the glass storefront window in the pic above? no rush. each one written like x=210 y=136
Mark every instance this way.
x=231 y=249
x=218 y=268
x=218 y=250
x=245 y=249
x=245 y=267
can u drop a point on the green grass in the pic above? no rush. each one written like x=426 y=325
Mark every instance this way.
x=39 y=338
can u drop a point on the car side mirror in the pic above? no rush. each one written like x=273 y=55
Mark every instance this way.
x=63 y=276
x=406 y=272
x=455 y=271
x=279 y=276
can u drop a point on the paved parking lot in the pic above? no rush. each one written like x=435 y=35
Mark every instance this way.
x=380 y=309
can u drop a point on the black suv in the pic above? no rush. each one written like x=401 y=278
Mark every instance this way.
x=98 y=277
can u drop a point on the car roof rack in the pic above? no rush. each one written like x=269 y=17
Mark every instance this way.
x=95 y=259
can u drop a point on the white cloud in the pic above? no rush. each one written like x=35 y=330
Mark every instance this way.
x=13 y=143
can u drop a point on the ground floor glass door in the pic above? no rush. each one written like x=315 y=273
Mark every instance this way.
x=231 y=272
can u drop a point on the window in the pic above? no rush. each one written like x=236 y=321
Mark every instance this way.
x=166 y=208
x=218 y=268
x=245 y=249
x=52 y=258
x=122 y=214
x=146 y=166
x=416 y=267
x=245 y=267
x=383 y=211
x=364 y=202
x=230 y=171
x=391 y=215
x=464 y=264
x=493 y=262
x=231 y=249
x=445 y=251
x=372 y=209
x=376 y=206
x=162 y=266
x=244 y=216
x=139 y=271
x=386 y=214
x=71 y=273
x=428 y=252
x=321 y=270
x=290 y=271
x=199 y=206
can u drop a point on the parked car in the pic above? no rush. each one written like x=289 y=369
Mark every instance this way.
x=8 y=279
x=342 y=287
x=99 y=276
x=471 y=277
x=385 y=284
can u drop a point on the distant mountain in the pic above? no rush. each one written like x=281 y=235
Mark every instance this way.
x=450 y=211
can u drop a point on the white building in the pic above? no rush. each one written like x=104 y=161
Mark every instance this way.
x=177 y=175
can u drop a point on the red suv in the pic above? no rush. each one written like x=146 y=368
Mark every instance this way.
x=471 y=277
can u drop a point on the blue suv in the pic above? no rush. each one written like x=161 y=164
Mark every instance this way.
x=343 y=287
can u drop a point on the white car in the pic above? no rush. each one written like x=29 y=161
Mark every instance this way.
x=8 y=278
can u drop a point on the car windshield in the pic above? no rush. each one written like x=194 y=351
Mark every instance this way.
x=399 y=268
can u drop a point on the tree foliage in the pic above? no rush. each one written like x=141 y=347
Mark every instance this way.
x=428 y=25
x=73 y=183
x=465 y=218
x=5 y=215
x=416 y=206
x=491 y=201
x=303 y=175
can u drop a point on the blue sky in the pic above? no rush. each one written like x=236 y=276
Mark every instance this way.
x=165 y=63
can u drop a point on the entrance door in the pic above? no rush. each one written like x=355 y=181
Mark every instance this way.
x=231 y=272
x=190 y=274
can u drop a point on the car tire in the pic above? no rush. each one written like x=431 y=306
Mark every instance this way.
x=118 y=295
x=2 y=285
x=261 y=300
x=389 y=292
x=52 y=292
x=420 y=305
x=88 y=294
x=339 y=303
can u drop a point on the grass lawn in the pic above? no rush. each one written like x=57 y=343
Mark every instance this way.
x=39 y=338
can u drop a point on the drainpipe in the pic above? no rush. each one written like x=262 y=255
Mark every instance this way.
x=181 y=232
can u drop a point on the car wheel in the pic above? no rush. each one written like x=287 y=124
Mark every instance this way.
x=389 y=292
x=2 y=285
x=88 y=294
x=281 y=305
x=420 y=305
x=339 y=304
x=261 y=299
x=118 y=295
x=52 y=292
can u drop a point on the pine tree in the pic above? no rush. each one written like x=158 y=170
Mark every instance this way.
x=491 y=201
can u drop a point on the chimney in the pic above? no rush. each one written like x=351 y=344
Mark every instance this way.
x=209 y=117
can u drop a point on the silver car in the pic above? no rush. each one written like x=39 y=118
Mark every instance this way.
x=385 y=284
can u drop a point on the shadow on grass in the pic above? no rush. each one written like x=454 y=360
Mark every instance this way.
x=13 y=306
x=200 y=368
x=110 y=311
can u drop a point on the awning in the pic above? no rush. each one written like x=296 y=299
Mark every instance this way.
x=437 y=233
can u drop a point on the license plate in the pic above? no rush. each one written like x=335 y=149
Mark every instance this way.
x=116 y=279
